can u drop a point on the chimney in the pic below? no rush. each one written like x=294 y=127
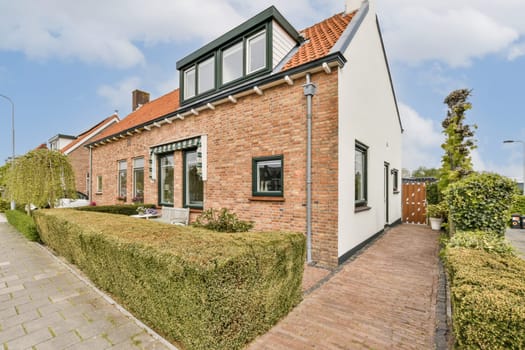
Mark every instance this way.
x=352 y=5
x=139 y=98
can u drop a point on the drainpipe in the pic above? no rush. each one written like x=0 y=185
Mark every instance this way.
x=90 y=187
x=309 y=92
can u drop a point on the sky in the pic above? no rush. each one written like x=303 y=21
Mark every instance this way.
x=67 y=65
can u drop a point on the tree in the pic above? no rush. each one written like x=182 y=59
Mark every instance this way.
x=41 y=177
x=456 y=162
x=425 y=172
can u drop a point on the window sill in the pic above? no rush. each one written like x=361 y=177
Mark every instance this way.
x=362 y=208
x=266 y=199
x=397 y=192
x=98 y=193
x=196 y=211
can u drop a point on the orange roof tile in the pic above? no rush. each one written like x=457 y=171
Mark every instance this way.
x=149 y=111
x=320 y=38
x=82 y=137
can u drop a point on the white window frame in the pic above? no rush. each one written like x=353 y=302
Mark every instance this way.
x=254 y=38
x=189 y=93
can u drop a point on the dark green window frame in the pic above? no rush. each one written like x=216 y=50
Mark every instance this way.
x=195 y=67
x=256 y=184
x=395 y=180
x=217 y=54
x=185 y=180
x=361 y=149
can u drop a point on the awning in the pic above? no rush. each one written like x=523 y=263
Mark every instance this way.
x=175 y=146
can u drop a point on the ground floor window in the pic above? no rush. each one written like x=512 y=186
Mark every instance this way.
x=122 y=179
x=193 y=185
x=99 y=184
x=267 y=176
x=360 y=174
x=166 y=180
x=138 y=180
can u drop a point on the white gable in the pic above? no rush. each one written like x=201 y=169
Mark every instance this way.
x=282 y=43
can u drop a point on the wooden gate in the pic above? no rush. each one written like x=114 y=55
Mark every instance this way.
x=414 y=203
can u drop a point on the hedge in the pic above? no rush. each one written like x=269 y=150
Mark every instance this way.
x=126 y=209
x=4 y=205
x=519 y=205
x=198 y=288
x=23 y=223
x=487 y=293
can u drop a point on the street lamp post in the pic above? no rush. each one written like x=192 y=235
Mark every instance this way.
x=523 y=143
x=13 y=139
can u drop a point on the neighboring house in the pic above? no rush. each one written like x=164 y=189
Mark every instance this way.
x=78 y=155
x=252 y=105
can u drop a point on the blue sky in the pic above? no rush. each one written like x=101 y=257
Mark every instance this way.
x=67 y=64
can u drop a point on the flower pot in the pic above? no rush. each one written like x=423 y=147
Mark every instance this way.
x=435 y=223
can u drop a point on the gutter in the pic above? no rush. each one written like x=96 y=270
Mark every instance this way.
x=309 y=92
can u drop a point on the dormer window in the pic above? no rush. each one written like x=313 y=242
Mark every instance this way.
x=189 y=83
x=232 y=63
x=199 y=78
x=256 y=52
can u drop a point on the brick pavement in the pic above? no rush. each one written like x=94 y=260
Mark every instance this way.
x=43 y=305
x=383 y=299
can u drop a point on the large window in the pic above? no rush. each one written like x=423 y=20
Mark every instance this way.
x=256 y=52
x=206 y=75
x=138 y=180
x=267 y=177
x=166 y=180
x=232 y=63
x=193 y=187
x=122 y=179
x=361 y=152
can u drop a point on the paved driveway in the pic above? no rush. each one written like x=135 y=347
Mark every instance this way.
x=516 y=237
x=385 y=299
x=43 y=305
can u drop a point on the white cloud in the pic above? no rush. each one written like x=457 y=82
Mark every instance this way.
x=452 y=32
x=421 y=140
x=118 y=96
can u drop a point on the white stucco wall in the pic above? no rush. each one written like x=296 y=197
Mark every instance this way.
x=367 y=113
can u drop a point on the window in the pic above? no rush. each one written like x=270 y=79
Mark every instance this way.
x=232 y=63
x=360 y=174
x=395 y=180
x=193 y=187
x=256 y=52
x=206 y=75
x=166 y=180
x=267 y=176
x=99 y=184
x=189 y=83
x=122 y=178
x=138 y=180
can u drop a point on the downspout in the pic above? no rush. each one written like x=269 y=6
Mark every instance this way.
x=90 y=194
x=309 y=92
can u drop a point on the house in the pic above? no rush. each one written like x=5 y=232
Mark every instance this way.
x=72 y=146
x=294 y=130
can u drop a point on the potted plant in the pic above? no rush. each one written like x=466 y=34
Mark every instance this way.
x=436 y=214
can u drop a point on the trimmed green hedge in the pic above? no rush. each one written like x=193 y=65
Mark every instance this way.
x=199 y=288
x=5 y=205
x=519 y=205
x=126 y=209
x=23 y=223
x=487 y=292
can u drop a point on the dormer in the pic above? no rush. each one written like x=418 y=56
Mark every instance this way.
x=251 y=50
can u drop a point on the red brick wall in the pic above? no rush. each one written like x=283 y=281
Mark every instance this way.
x=79 y=160
x=272 y=124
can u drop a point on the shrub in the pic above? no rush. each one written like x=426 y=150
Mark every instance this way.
x=488 y=241
x=23 y=223
x=432 y=193
x=439 y=210
x=519 y=205
x=4 y=205
x=222 y=220
x=481 y=202
x=126 y=209
x=198 y=289
x=488 y=298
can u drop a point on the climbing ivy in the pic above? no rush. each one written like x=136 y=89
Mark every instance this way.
x=41 y=177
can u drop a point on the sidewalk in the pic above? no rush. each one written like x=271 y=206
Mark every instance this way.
x=384 y=299
x=43 y=305
x=516 y=237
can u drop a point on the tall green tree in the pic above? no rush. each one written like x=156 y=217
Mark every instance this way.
x=456 y=162
x=41 y=177
x=425 y=172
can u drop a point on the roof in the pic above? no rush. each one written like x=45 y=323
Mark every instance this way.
x=147 y=112
x=319 y=39
x=88 y=133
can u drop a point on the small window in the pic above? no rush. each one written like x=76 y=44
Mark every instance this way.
x=360 y=174
x=138 y=180
x=206 y=74
x=122 y=179
x=193 y=186
x=99 y=184
x=395 y=180
x=189 y=83
x=267 y=176
x=256 y=52
x=232 y=63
